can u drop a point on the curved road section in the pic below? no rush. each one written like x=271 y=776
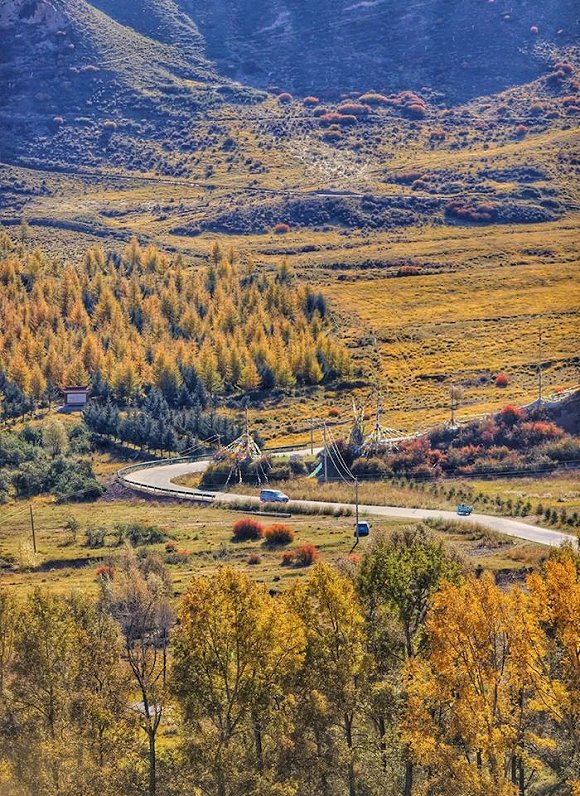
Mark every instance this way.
x=159 y=478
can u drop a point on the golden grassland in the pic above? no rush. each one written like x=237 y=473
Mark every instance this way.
x=205 y=533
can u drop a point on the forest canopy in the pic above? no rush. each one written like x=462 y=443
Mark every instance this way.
x=137 y=319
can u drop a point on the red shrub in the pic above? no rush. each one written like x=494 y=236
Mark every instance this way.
x=337 y=118
x=334 y=412
x=409 y=270
x=170 y=547
x=306 y=555
x=105 y=571
x=564 y=66
x=438 y=135
x=285 y=98
x=279 y=533
x=311 y=100
x=416 y=110
x=254 y=559
x=247 y=528
x=501 y=380
x=281 y=228
x=58 y=120
x=510 y=415
x=287 y=559
x=354 y=108
x=521 y=130
x=372 y=98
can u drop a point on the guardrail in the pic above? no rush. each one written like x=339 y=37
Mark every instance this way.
x=131 y=468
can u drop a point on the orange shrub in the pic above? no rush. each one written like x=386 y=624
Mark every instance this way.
x=372 y=98
x=521 y=130
x=247 y=528
x=279 y=533
x=416 y=110
x=328 y=119
x=409 y=270
x=354 y=108
x=58 y=120
x=105 y=571
x=285 y=98
x=334 y=412
x=306 y=555
x=287 y=559
x=311 y=100
x=281 y=229
x=170 y=547
x=501 y=380
x=109 y=125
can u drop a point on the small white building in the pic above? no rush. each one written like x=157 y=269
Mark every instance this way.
x=75 y=397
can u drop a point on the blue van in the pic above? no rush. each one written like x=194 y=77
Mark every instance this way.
x=273 y=496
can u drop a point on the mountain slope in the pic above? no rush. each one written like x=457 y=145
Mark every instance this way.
x=463 y=48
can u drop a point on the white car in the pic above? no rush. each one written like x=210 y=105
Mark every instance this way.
x=273 y=496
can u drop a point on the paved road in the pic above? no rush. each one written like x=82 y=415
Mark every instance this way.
x=162 y=477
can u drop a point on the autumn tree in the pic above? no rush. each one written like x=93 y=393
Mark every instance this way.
x=138 y=599
x=54 y=437
x=397 y=580
x=236 y=653
x=476 y=696
x=333 y=680
x=64 y=726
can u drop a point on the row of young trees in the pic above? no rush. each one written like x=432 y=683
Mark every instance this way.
x=155 y=426
x=139 y=318
x=396 y=674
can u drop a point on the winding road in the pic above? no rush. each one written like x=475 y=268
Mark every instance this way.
x=159 y=478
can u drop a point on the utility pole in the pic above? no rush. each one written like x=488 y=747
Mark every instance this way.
x=325 y=454
x=32 y=529
x=540 y=385
x=356 y=528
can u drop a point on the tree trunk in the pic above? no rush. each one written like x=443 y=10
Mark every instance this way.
x=521 y=778
x=152 y=764
x=382 y=742
x=409 y=770
x=259 y=749
x=348 y=736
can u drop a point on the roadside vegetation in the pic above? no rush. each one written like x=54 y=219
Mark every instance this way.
x=384 y=648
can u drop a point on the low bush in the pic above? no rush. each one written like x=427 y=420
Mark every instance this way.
x=278 y=534
x=139 y=533
x=305 y=555
x=254 y=559
x=281 y=228
x=105 y=571
x=285 y=98
x=354 y=108
x=501 y=380
x=287 y=559
x=246 y=529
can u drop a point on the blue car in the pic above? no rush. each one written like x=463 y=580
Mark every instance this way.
x=464 y=510
x=273 y=496
x=362 y=529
